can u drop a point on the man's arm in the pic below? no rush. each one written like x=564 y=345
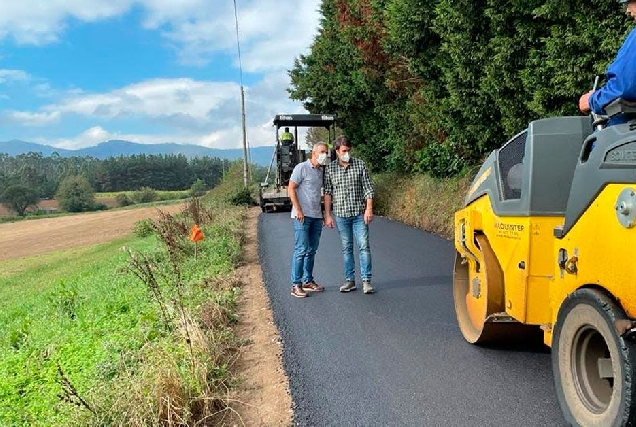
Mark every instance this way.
x=367 y=187
x=621 y=78
x=328 y=190
x=291 y=189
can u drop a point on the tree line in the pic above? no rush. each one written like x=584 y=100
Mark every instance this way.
x=115 y=174
x=430 y=86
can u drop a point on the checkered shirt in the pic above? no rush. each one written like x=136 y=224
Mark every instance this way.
x=349 y=187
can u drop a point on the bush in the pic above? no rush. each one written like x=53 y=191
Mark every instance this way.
x=143 y=228
x=198 y=188
x=123 y=200
x=75 y=194
x=242 y=197
x=439 y=161
x=145 y=195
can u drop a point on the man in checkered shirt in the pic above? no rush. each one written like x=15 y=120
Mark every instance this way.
x=348 y=186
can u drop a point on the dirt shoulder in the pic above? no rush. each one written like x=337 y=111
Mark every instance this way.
x=263 y=396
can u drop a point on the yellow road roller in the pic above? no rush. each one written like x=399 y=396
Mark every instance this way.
x=544 y=247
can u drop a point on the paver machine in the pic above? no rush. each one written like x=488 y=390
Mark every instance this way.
x=287 y=155
x=544 y=246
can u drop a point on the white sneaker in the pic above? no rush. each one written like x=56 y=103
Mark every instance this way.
x=367 y=288
x=348 y=286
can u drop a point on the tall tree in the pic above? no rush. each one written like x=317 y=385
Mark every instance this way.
x=19 y=198
x=75 y=194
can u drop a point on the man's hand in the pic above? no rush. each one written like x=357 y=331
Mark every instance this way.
x=300 y=216
x=584 y=102
x=368 y=216
x=328 y=221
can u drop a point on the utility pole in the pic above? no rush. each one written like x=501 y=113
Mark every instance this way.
x=238 y=45
x=244 y=138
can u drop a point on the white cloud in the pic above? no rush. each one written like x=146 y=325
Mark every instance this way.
x=12 y=75
x=272 y=32
x=225 y=138
x=181 y=99
x=25 y=118
x=187 y=110
x=39 y=22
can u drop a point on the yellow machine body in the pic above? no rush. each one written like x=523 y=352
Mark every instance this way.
x=544 y=250
x=534 y=285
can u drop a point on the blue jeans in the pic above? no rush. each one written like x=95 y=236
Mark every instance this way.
x=307 y=237
x=348 y=228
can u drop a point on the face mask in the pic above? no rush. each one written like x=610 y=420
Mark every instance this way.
x=322 y=159
x=345 y=157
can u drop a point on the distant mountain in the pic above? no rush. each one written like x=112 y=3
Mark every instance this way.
x=115 y=148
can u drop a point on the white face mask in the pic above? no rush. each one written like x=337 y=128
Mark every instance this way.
x=322 y=159
x=345 y=157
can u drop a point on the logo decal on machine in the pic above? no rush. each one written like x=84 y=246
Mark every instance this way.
x=509 y=230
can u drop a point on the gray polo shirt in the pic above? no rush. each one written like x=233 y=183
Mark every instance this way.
x=309 y=180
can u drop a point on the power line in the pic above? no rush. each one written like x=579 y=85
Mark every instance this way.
x=238 y=44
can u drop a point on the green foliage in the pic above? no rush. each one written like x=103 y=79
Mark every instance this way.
x=123 y=200
x=66 y=299
x=145 y=195
x=143 y=228
x=19 y=198
x=86 y=343
x=431 y=86
x=242 y=197
x=75 y=194
x=198 y=188
x=439 y=160
x=116 y=174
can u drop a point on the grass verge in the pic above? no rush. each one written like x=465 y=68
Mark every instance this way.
x=421 y=201
x=133 y=332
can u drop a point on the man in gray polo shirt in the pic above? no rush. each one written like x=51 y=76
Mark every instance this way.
x=304 y=188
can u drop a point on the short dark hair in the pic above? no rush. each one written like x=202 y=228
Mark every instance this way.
x=340 y=141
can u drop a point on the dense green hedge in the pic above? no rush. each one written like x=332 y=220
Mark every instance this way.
x=432 y=85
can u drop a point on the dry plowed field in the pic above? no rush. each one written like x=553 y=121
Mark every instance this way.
x=26 y=238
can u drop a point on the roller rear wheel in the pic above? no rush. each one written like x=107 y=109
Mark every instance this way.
x=593 y=366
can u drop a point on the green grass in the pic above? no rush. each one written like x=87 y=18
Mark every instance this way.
x=162 y=194
x=421 y=201
x=83 y=311
x=70 y=308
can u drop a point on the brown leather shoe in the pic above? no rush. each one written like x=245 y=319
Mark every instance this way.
x=313 y=287
x=297 y=291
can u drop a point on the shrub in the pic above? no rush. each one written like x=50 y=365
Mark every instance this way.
x=242 y=197
x=123 y=200
x=145 y=195
x=75 y=194
x=198 y=188
x=143 y=228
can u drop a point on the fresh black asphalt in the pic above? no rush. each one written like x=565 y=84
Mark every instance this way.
x=394 y=358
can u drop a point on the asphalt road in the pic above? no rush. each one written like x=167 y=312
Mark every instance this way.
x=395 y=358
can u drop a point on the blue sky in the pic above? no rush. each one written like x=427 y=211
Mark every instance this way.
x=74 y=73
